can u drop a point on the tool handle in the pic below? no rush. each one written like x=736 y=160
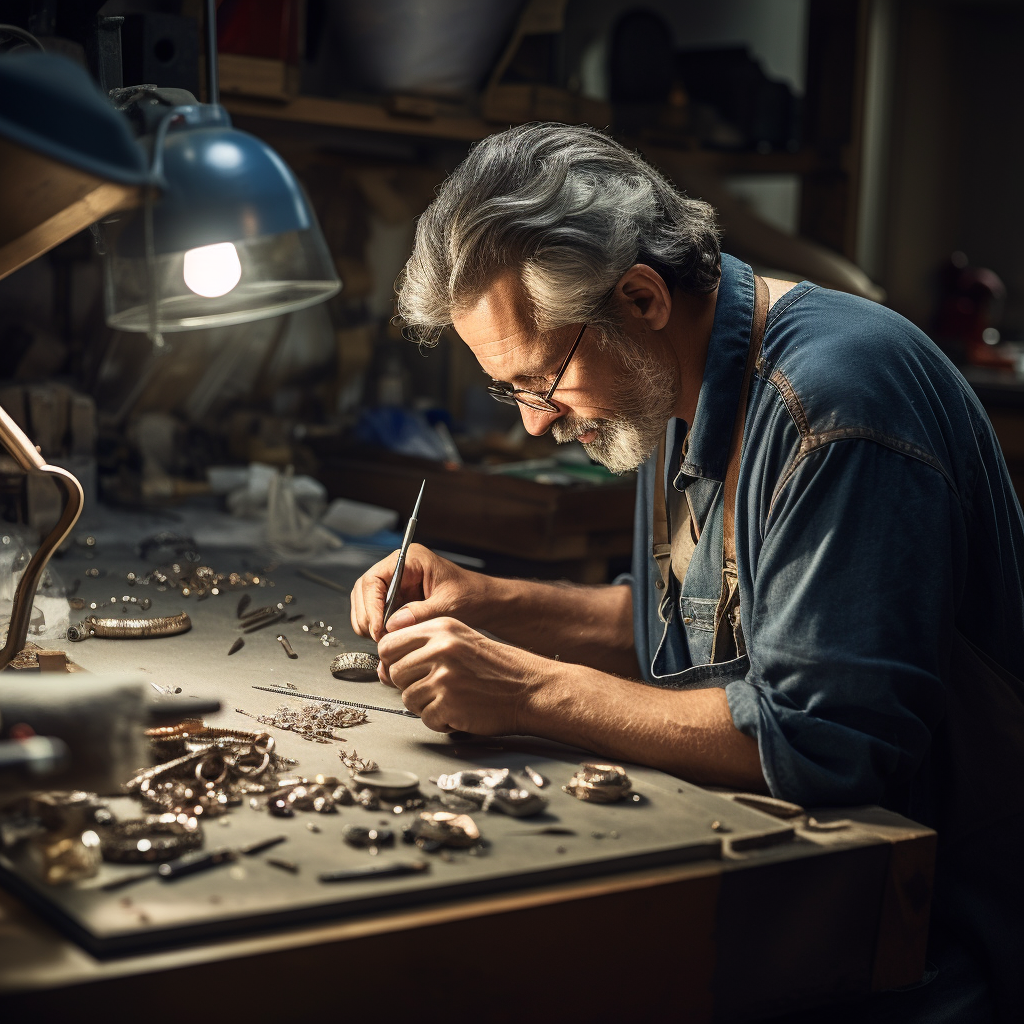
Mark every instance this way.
x=395 y=586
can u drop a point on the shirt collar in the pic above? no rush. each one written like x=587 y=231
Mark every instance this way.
x=707 y=449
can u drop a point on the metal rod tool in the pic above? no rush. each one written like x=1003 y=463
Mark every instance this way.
x=336 y=700
x=395 y=586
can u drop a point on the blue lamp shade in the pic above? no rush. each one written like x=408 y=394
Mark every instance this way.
x=233 y=237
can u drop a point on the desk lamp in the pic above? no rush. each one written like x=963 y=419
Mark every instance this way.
x=232 y=238
x=224 y=236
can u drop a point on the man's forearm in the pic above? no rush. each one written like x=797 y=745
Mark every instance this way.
x=583 y=625
x=688 y=733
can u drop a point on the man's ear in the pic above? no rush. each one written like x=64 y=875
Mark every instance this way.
x=645 y=291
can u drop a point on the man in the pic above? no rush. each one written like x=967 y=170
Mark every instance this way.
x=863 y=643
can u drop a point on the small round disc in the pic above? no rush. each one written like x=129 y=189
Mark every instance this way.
x=355 y=666
x=386 y=781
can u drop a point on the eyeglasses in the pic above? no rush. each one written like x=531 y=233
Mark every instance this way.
x=503 y=391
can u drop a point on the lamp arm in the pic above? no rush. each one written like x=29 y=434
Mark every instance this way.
x=28 y=458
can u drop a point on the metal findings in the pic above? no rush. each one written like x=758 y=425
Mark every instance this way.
x=355 y=667
x=535 y=777
x=364 y=838
x=599 y=783
x=283 y=641
x=323 y=632
x=442 y=828
x=238 y=644
x=493 y=789
x=147 y=840
x=354 y=763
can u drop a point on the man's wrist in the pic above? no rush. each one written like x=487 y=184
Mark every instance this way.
x=549 y=698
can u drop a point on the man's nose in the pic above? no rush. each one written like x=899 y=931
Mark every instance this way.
x=536 y=421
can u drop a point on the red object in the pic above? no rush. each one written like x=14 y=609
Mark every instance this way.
x=22 y=731
x=261 y=28
x=968 y=300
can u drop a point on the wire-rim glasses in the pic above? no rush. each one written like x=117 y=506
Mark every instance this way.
x=503 y=391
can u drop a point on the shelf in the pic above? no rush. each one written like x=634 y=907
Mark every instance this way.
x=374 y=117
x=313 y=110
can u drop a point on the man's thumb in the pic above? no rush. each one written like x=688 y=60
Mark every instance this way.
x=401 y=618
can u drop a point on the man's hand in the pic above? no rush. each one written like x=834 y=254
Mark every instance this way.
x=431 y=586
x=458 y=680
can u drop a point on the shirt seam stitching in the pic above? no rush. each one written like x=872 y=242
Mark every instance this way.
x=793 y=404
x=787 y=300
x=816 y=442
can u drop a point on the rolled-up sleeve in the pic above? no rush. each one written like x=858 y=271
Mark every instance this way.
x=850 y=623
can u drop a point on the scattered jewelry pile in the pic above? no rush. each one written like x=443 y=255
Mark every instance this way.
x=211 y=769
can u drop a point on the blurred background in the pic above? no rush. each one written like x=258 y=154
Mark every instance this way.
x=869 y=145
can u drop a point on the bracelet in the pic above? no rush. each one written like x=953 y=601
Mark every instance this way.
x=130 y=629
x=157 y=837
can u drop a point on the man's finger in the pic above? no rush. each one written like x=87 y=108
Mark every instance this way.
x=356 y=613
x=392 y=647
x=433 y=713
x=418 y=696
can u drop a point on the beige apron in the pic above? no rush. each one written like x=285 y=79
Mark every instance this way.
x=673 y=555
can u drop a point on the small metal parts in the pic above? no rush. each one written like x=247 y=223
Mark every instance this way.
x=535 y=777
x=354 y=763
x=236 y=646
x=243 y=602
x=355 y=666
x=493 y=789
x=434 y=829
x=165 y=691
x=150 y=839
x=283 y=641
x=260 y=619
x=321 y=794
x=323 y=632
x=285 y=865
x=194 y=863
x=363 y=838
x=599 y=783
x=130 y=629
x=251 y=849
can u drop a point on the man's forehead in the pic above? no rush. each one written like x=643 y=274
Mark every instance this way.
x=499 y=321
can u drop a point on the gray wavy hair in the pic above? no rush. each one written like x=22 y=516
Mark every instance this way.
x=570 y=210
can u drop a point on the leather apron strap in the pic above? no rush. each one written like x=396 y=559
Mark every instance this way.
x=728 y=641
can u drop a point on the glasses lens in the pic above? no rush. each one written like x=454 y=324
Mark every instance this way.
x=503 y=392
x=535 y=401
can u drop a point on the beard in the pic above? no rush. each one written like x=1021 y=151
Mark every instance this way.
x=645 y=397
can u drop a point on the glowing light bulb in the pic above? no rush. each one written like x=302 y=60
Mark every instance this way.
x=212 y=270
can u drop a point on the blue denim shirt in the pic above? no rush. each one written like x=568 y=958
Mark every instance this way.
x=874 y=513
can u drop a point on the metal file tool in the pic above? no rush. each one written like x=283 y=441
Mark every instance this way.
x=395 y=586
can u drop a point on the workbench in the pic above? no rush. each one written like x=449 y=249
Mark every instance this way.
x=685 y=903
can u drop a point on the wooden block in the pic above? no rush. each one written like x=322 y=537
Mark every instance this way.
x=52 y=661
x=257 y=76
